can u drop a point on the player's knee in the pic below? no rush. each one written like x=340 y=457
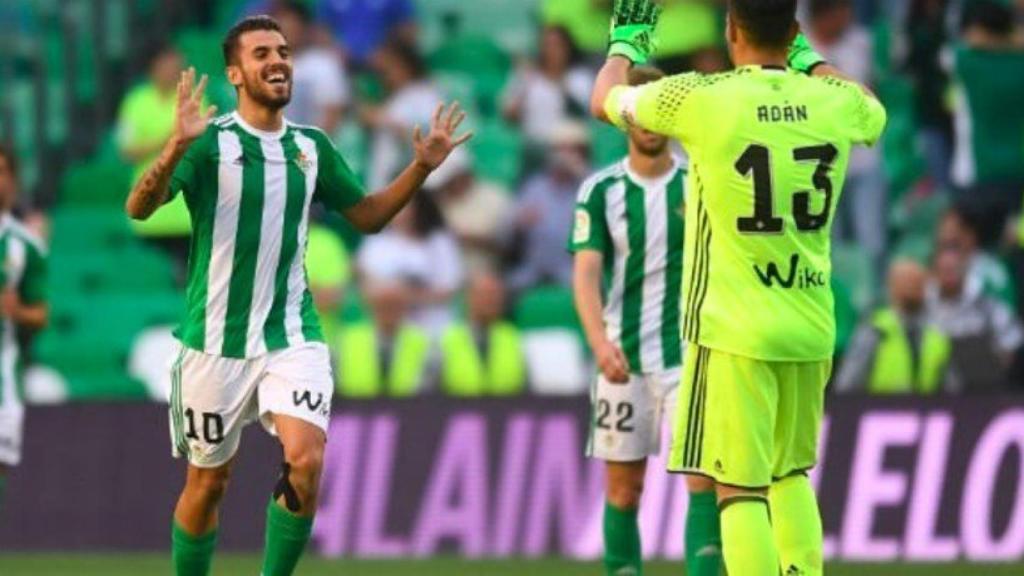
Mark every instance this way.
x=697 y=484
x=209 y=484
x=625 y=493
x=305 y=471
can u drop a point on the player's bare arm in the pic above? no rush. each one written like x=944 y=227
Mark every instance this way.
x=587 y=272
x=33 y=316
x=190 y=122
x=374 y=211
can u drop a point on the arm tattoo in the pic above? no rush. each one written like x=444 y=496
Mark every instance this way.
x=152 y=189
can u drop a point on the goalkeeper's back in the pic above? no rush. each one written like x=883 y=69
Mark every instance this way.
x=769 y=148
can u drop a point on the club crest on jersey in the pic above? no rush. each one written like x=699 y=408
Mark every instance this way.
x=581 y=232
x=303 y=162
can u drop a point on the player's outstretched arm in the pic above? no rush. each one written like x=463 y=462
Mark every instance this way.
x=586 y=285
x=190 y=122
x=631 y=42
x=372 y=213
x=804 y=58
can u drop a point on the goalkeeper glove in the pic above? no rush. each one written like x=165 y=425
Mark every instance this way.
x=802 y=56
x=632 y=33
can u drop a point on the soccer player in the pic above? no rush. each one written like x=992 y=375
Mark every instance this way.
x=252 y=348
x=769 y=144
x=628 y=235
x=22 y=305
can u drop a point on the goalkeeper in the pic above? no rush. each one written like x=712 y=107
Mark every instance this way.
x=769 y=144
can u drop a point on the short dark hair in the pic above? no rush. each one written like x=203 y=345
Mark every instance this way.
x=768 y=23
x=7 y=153
x=992 y=16
x=250 y=24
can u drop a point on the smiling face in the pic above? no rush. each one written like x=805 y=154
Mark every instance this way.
x=262 y=68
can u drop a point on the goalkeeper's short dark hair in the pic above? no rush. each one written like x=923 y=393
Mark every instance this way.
x=250 y=24
x=767 y=23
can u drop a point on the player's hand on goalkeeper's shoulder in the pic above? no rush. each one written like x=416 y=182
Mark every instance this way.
x=632 y=29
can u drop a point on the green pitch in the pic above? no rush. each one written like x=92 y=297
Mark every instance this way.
x=235 y=565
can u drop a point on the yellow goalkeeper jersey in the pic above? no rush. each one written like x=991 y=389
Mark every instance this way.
x=768 y=148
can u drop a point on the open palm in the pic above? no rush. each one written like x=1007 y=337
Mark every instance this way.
x=190 y=121
x=434 y=148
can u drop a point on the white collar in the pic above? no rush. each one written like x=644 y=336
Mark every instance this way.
x=275 y=135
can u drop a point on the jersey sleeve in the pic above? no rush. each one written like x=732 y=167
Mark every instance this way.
x=337 y=187
x=32 y=288
x=186 y=175
x=671 y=106
x=869 y=118
x=589 y=230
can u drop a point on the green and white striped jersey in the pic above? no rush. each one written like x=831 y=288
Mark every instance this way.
x=248 y=192
x=24 y=271
x=637 y=224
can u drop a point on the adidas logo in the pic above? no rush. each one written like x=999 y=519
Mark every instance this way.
x=793 y=571
x=709 y=550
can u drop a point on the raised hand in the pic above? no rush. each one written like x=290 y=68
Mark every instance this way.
x=632 y=33
x=432 y=149
x=190 y=121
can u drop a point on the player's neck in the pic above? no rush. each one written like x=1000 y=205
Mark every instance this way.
x=259 y=116
x=650 y=166
x=750 y=56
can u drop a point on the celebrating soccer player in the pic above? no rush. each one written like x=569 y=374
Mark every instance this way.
x=251 y=342
x=769 y=145
x=629 y=222
x=22 y=305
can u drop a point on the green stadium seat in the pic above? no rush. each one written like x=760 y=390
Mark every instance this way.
x=88 y=229
x=135 y=269
x=479 y=59
x=202 y=49
x=96 y=183
x=608 y=144
x=498 y=153
x=547 y=307
x=852 y=267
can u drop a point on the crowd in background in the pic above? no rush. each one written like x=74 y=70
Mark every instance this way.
x=432 y=297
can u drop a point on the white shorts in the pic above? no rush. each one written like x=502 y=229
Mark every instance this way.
x=11 y=420
x=626 y=424
x=213 y=398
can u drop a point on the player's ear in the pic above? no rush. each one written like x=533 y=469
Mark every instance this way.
x=234 y=74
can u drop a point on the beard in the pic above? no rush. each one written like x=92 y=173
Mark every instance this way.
x=651 y=150
x=260 y=92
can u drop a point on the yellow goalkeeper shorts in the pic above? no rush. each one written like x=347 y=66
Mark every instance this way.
x=747 y=422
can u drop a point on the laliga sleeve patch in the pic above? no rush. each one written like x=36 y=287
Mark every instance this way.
x=581 y=231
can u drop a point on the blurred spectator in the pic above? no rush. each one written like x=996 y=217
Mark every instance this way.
x=483 y=356
x=320 y=90
x=898 y=351
x=545 y=211
x=689 y=37
x=417 y=251
x=387 y=356
x=862 y=213
x=541 y=98
x=412 y=99
x=959 y=230
x=926 y=38
x=988 y=166
x=327 y=266
x=986 y=336
x=586 y=20
x=473 y=210
x=145 y=122
x=363 y=26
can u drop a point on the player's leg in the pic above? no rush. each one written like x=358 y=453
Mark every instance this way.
x=796 y=519
x=624 y=433
x=3 y=485
x=622 y=548
x=290 y=512
x=194 y=534
x=12 y=416
x=295 y=403
x=723 y=429
x=703 y=530
x=211 y=400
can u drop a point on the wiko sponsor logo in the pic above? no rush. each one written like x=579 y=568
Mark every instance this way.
x=804 y=278
x=894 y=484
x=306 y=397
